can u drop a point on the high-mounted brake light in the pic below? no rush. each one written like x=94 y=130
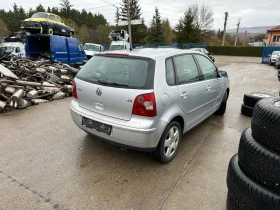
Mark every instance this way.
x=145 y=105
x=74 y=90
x=116 y=54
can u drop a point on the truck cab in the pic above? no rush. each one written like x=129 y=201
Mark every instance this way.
x=120 y=40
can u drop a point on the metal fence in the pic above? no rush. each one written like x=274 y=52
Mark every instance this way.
x=267 y=51
x=160 y=45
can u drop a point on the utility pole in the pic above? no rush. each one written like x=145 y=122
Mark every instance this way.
x=129 y=22
x=245 y=41
x=237 y=31
x=225 y=26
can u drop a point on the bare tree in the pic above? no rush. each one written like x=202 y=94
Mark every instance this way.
x=203 y=16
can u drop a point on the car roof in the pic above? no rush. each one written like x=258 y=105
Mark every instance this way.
x=47 y=13
x=151 y=52
x=93 y=44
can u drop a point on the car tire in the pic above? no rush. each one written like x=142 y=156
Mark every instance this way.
x=223 y=106
x=50 y=31
x=168 y=145
x=250 y=99
x=247 y=110
x=244 y=193
x=266 y=123
x=258 y=162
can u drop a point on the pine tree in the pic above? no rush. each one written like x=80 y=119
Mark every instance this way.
x=167 y=31
x=187 y=30
x=156 y=33
x=138 y=32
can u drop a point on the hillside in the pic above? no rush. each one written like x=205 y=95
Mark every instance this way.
x=251 y=30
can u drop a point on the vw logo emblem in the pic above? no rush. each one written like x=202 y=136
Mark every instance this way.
x=99 y=91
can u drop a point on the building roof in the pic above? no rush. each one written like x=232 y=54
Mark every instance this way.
x=277 y=28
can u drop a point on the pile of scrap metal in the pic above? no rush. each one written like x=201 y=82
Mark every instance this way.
x=25 y=82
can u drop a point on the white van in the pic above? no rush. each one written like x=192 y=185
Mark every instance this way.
x=91 y=48
x=13 y=48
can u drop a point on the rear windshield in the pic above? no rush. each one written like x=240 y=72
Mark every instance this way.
x=123 y=72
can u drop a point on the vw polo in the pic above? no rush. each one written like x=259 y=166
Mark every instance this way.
x=146 y=99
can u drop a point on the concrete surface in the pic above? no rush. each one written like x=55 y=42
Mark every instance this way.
x=46 y=162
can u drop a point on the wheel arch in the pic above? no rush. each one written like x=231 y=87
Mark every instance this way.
x=180 y=120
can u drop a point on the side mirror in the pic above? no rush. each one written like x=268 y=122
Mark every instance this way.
x=223 y=73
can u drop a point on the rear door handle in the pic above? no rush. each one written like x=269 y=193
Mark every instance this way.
x=184 y=95
x=208 y=88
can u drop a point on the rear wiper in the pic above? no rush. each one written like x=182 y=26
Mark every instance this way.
x=111 y=83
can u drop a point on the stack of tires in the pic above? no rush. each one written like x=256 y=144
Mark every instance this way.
x=250 y=100
x=253 y=177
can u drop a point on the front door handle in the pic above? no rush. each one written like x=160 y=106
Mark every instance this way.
x=208 y=88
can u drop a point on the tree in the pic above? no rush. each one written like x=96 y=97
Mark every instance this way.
x=187 y=30
x=40 y=8
x=138 y=32
x=155 y=34
x=203 y=16
x=65 y=8
x=167 y=31
x=103 y=33
x=4 y=29
x=82 y=35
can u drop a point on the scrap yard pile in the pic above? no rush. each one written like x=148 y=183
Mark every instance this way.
x=26 y=82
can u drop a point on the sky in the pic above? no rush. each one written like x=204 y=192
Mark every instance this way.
x=251 y=12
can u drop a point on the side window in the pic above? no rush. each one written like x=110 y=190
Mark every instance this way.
x=186 y=69
x=170 y=74
x=58 y=19
x=52 y=17
x=81 y=49
x=208 y=69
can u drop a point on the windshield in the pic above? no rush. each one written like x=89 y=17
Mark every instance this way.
x=116 y=47
x=276 y=52
x=39 y=15
x=7 y=49
x=123 y=72
x=91 y=47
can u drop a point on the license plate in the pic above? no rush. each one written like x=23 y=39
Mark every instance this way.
x=100 y=127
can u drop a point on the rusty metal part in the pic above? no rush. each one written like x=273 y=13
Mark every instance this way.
x=10 y=90
x=41 y=70
x=58 y=95
x=6 y=72
x=2 y=105
x=15 y=98
x=31 y=94
x=63 y=71
x=65 y=78
x=26 y=83
x=39 y=101
x=23 y=104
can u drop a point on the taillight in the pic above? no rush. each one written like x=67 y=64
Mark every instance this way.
x=145 y=105
x=74 y=90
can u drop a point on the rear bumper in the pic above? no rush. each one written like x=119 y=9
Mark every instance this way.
x=124 y=133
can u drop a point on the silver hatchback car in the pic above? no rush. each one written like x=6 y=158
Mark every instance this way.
x=146 y=99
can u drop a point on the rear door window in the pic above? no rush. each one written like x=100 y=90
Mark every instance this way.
x=124 y=72
x=208 y=69
x=186 y=68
